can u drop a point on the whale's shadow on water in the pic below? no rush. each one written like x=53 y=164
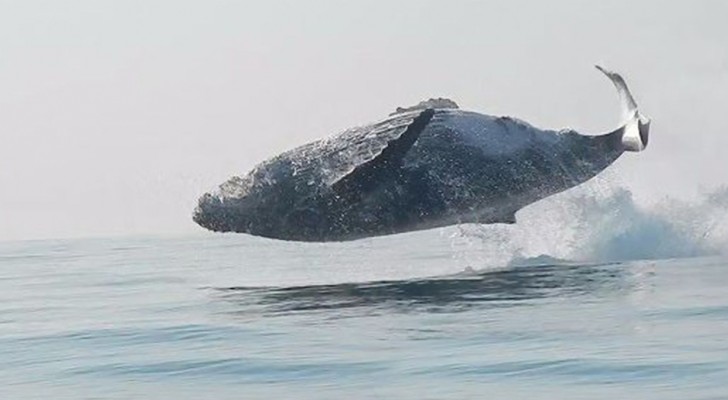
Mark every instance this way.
x=495 y=288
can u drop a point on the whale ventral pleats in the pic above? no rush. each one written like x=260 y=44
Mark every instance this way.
x=439 y=102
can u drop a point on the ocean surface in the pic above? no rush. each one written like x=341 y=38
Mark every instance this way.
x=418 y=316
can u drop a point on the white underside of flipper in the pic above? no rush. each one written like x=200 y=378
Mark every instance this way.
x=636 y=126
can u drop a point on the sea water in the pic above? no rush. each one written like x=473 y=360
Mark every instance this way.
x=625 y=304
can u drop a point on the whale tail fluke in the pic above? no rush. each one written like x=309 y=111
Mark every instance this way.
x=636 y=127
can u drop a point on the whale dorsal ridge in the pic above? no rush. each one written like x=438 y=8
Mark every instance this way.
x=439 y=102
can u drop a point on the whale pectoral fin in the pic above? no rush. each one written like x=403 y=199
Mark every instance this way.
x=368 y=175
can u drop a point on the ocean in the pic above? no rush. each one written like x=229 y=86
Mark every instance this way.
x=459 y=313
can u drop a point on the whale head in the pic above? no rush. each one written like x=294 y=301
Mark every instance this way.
x=261 y=202
x=233 y=206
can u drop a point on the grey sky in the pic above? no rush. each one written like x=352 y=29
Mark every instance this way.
x=116 y=115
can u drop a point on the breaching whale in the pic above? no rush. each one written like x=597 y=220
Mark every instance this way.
x=426 y=166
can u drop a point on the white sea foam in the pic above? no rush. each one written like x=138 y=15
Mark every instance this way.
x=601 y=223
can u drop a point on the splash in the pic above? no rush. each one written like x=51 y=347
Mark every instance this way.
x=601 y=224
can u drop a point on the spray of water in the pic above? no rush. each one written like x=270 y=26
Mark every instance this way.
x=601 y=224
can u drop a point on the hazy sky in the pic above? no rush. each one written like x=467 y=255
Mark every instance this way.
x=116 y=115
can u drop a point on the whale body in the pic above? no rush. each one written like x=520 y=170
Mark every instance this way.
x=426 y=166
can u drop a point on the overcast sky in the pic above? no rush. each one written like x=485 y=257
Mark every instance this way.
x=116 y=115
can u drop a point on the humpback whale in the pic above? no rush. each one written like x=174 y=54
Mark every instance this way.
x=426 y=166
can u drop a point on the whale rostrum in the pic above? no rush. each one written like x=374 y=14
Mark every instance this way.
x=422 y=167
